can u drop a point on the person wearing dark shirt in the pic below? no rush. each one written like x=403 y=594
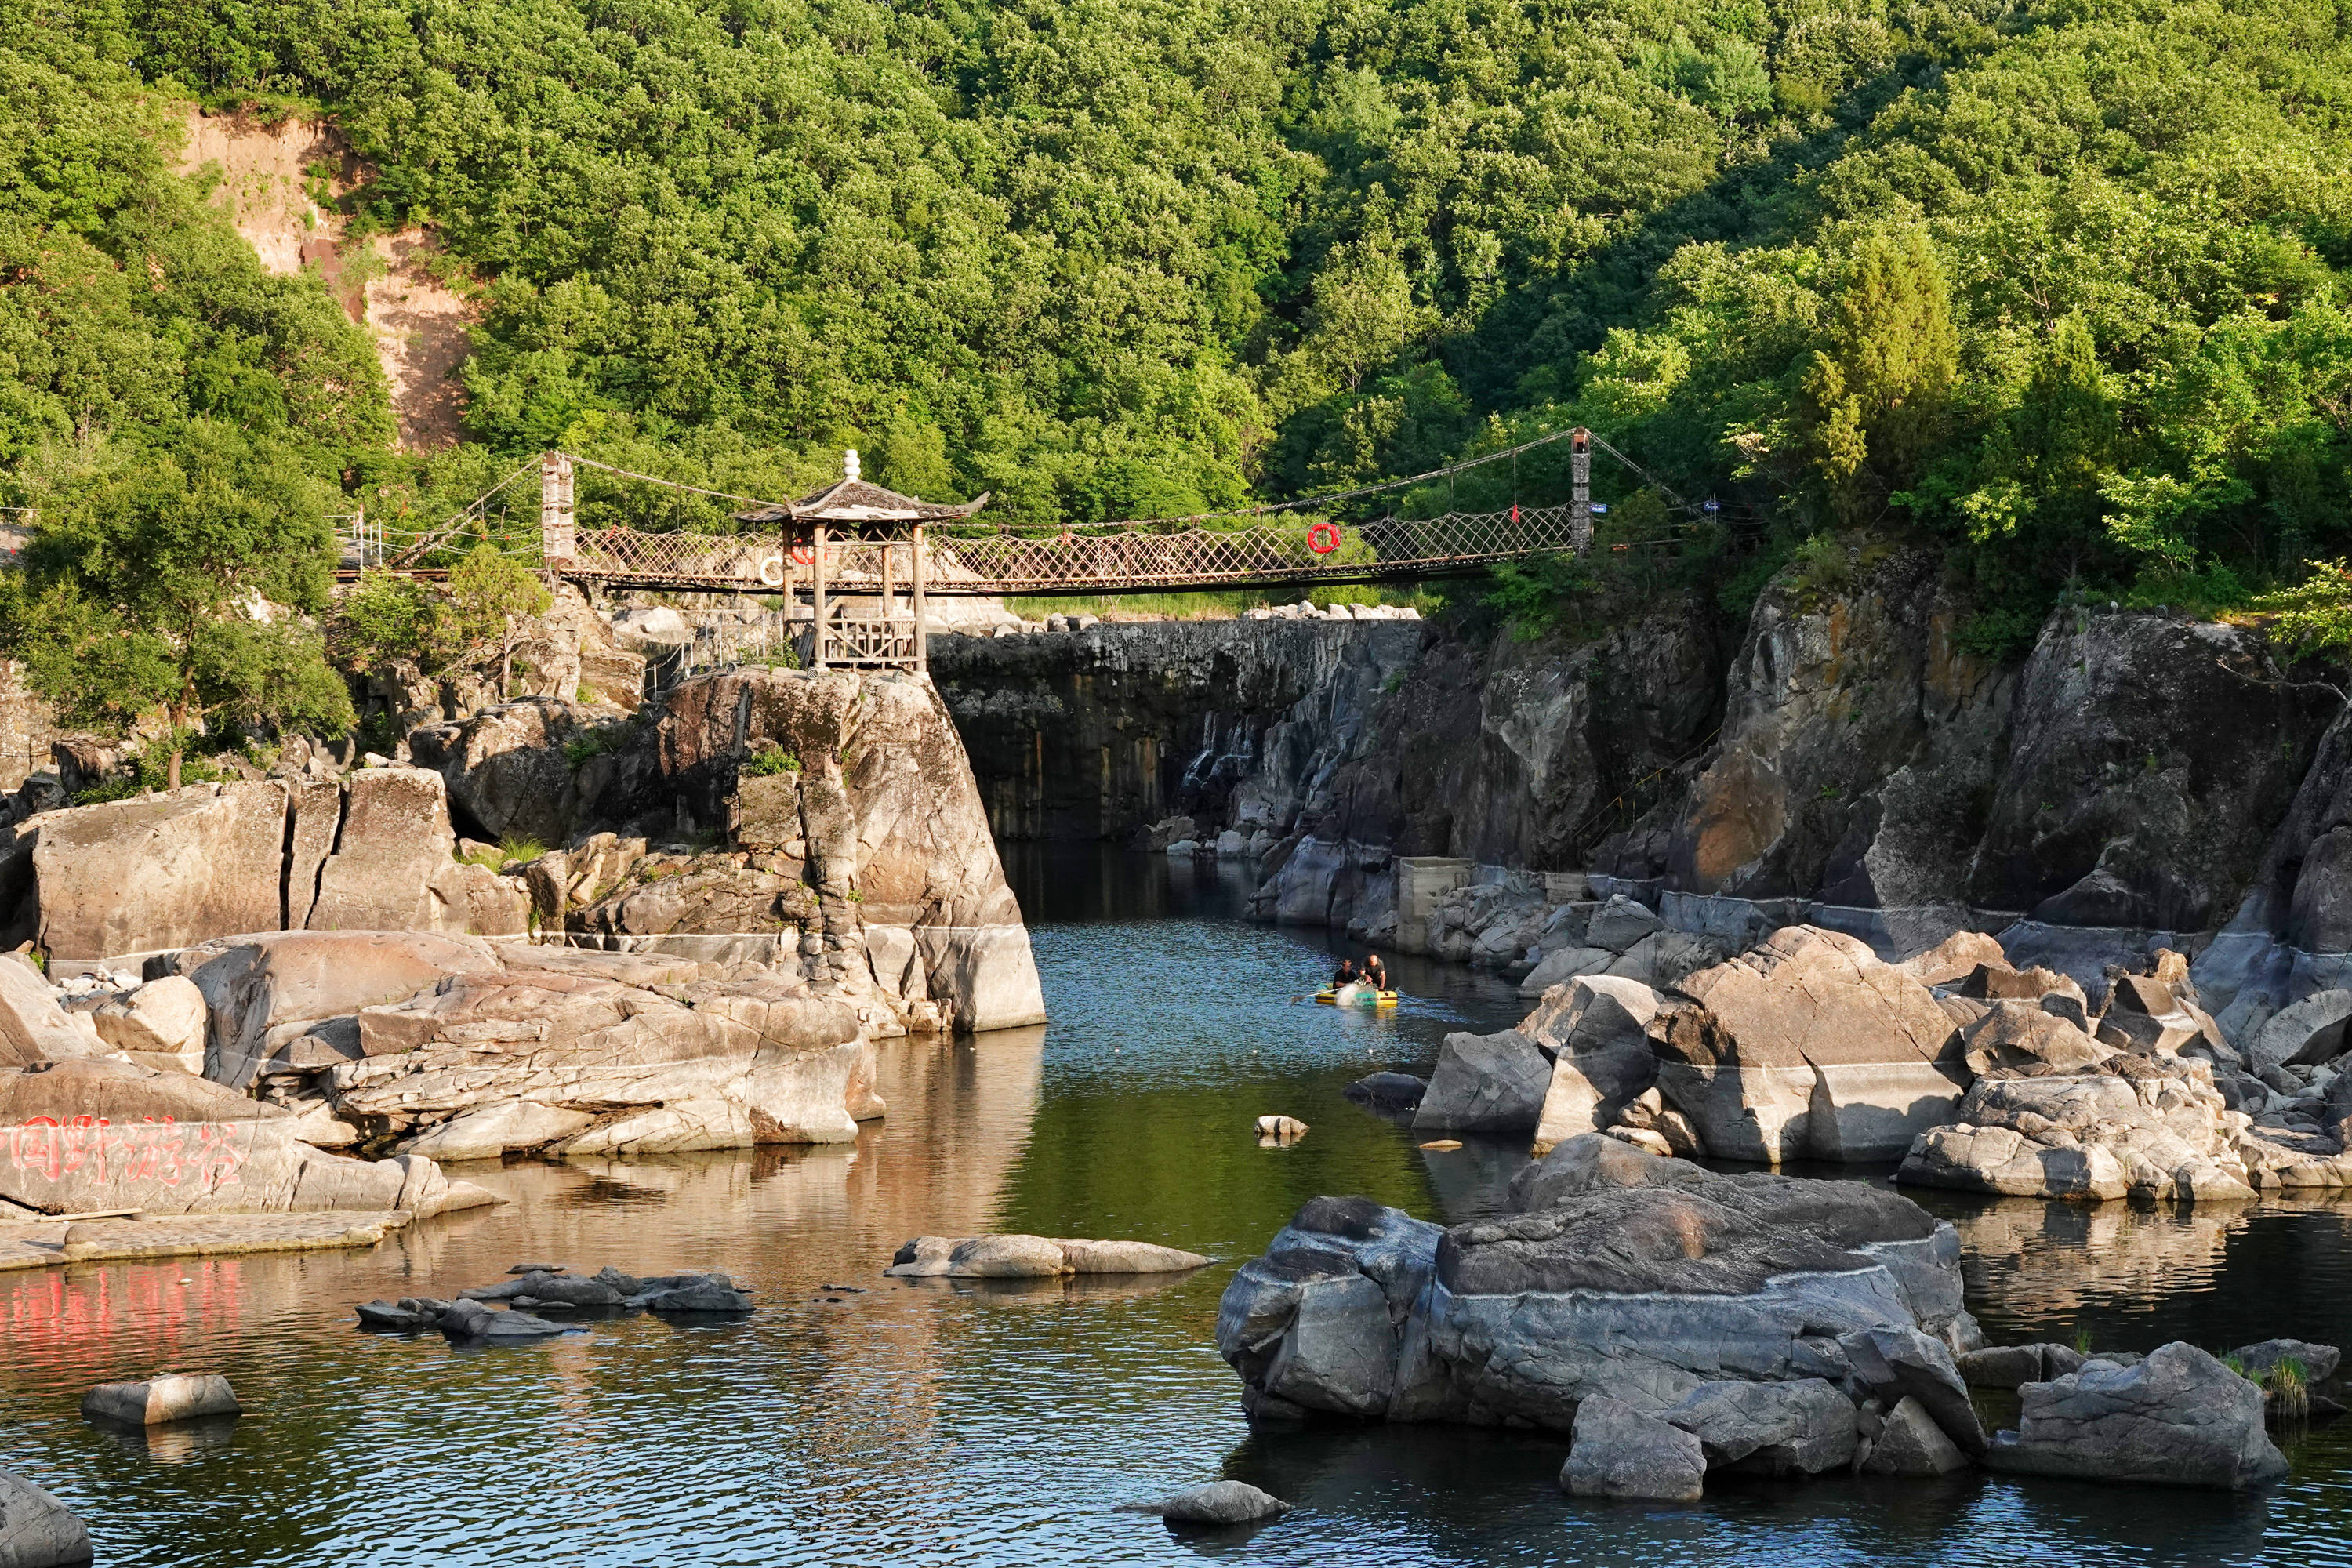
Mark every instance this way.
x=1376 y=971
x=1346 y=975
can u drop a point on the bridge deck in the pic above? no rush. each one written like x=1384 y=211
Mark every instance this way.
x=1128 y=561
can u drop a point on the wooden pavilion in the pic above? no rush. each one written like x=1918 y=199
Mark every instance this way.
x=861 y=546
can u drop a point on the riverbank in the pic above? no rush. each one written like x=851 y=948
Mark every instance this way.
x=949 y=1423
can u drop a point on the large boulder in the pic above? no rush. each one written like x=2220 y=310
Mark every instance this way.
x=2310 y=1031
x=1644 y=1293
x=1485 y=1083
x=2179 y=1417
x=1807 y=1046
x=33 y=1027
x=1598 y=1029
x=393 y=866
x=37 y=1531
x=1619 y=1452
x=1803 y=1427
x=158 y=1023
x=162 y=871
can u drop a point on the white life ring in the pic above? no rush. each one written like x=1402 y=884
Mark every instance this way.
x=773 y=565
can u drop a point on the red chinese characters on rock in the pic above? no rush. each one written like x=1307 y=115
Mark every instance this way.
x=92 y=1148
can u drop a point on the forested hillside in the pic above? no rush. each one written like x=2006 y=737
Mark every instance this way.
x=2063 y=282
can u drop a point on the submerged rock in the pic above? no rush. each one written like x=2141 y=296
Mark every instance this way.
x=2179 y=1417
x=1621 y=1452
x=1219 y=1503
x=1387 y=1091
x=472 y=1322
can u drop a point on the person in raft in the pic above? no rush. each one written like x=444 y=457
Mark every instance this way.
x=1375 y=972
x=1344 y=976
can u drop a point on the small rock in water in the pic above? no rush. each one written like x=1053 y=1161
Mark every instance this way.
x=183 y=1396
x=1387 y=1091
x=1274 y=1130
x=410 y=1312
x=2257 y=1361
x=538 y=1268
x=37 y=1531
x=845 y=1290
x=714 y=1294
x=471 y=1320
x=1219 y=1503
x=1441 y=1143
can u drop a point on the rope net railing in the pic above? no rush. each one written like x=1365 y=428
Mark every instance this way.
x=1074 y=562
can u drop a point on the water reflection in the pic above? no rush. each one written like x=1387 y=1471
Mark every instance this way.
x=962 y=1423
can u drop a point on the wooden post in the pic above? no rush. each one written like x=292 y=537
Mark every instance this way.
x=922 y=643
x=816 y=601
x=884 y=632
x=556 y=532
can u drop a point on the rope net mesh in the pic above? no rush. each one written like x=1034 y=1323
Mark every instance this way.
x=999 y=564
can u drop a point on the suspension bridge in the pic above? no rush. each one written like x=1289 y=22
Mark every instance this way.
x=866 y=558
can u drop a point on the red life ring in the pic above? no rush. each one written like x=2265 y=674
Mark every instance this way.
x=804 y=555
x=1323 y=538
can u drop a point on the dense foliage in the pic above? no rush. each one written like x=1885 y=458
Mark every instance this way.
x=2063 y=283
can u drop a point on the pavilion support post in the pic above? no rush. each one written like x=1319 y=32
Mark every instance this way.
x=888 y=606
x=816 y=601
x=922 y=643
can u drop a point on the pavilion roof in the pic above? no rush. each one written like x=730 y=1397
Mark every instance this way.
x=853 y=499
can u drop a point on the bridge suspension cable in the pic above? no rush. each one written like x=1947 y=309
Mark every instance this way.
x=1237 y=547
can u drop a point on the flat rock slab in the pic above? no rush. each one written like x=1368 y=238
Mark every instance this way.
x=40 y=1246
x=1034 y=1258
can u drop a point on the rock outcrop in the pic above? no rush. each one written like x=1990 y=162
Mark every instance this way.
x=2142 y=1128
x=462 y=1048
x=169 y=871
x=1647 y=1281
x=858 y=855
x=91 y=1136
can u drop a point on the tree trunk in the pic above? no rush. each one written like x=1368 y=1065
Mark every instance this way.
x=172 y=782
x=506 y=667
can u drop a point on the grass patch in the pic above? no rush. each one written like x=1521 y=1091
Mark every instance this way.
x=768 y=760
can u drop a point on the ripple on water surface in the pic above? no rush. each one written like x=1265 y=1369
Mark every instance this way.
x=923 y=1422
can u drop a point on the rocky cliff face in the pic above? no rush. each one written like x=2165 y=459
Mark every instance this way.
x=2131 y=776
x=1092 y=734
x=825 y=823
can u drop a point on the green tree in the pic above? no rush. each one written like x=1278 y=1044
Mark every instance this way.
x=173 y=581
x=490 y=594
x=1879 y=389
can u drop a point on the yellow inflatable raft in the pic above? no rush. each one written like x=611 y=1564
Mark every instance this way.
x=1357 y=995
